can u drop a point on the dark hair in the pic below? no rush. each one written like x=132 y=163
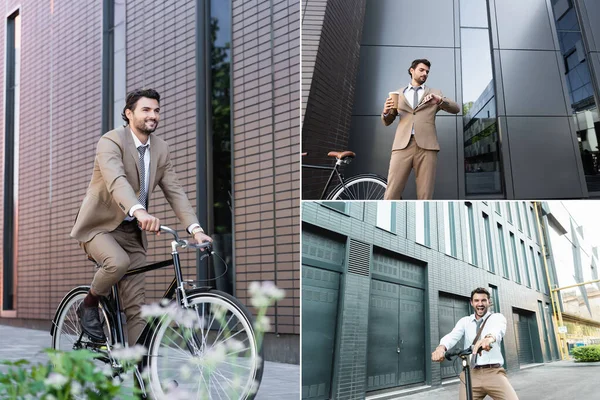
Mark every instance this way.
x=417 y=62
x=480 y=290
x=133 y=97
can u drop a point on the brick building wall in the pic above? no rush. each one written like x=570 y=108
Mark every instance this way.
x=330 y=66
x=265 y=71
x=61 y=93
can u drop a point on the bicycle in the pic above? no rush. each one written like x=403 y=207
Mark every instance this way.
x=464 y=355
x=358 y=187
x=221 y=317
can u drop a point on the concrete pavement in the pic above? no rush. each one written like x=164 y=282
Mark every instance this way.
x=279 y=382
x=561 y=380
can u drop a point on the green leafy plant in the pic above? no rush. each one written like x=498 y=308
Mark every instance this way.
x=587 y=353
x=67 y=375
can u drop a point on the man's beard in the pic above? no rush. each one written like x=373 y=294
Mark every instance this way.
x=141 y=126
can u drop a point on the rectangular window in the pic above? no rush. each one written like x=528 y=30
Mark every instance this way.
x=114 y=84
x=543 y=273
x=519 y=220
x=11 y=158
x=449 y=229
x=525 y=264
x=470 y=233
x=480 y=127
x=386 y=215
x=336 y=205
x=535 y=269
x=498 y=206
x=509 y=212
x=488 y=243
x=513 y=244
x=526 y=217
x=534 y=224
x=503 y=251
x=422 y=222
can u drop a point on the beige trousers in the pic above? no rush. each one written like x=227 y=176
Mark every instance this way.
x=424 y=162
x=116 y=252
x=488 y=381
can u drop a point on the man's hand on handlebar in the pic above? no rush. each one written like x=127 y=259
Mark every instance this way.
x=147 y=222
x=201 y=237
x=438 y=354
x=483 y=344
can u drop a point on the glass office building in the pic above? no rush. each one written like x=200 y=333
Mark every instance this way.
x=525 y=73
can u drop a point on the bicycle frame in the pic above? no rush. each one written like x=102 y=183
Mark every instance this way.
x=112 y=306
x=335 y=171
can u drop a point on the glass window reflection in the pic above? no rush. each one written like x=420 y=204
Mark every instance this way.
x=480 y=129
x=581 y=90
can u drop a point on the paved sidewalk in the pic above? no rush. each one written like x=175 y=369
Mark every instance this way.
x=560 y=380
x=279 y=382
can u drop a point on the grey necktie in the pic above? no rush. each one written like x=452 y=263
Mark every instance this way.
x=474 y=356
x=416 y=98
x=143 y=197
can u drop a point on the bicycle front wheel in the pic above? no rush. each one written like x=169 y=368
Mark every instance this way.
x=360 y=187
x=218 y=358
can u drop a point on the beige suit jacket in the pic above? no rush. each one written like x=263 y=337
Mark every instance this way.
x=115 y=185
x=423 y=118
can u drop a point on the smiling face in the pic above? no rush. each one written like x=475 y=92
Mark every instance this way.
x=481 y=304
x=145 y=115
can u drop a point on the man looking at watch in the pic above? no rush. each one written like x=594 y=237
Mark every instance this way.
x=487 y=375
x=113 y=219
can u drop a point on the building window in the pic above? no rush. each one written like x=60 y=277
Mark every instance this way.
x=114 y=82
x=498 y=206
x=543 y=273
x=503 y=251
x=341 y=206
x=481 y=145
x=581 y=89
x=488 y=243
x=527 y=221
x=386 y=215
x=519 y=220
x=535 y=269
x=422 y=222
x=449 y=229
x=11 y=158
x=513 y=244
x=525 y=265
x=470 y=233
x=534 y=224
x=509 y=215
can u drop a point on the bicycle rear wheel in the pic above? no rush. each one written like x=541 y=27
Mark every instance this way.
x=360 y=187
x=217 y=359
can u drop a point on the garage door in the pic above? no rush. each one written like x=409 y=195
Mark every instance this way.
x=322 y=258
x=451 y=309
x=396 y=331
x=524 y=339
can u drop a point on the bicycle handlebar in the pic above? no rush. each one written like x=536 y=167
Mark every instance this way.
x=458 y=353
x=185 y=243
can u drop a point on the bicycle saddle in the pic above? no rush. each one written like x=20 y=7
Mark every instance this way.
x=341 y=154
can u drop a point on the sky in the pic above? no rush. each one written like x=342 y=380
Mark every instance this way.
x=587 y=214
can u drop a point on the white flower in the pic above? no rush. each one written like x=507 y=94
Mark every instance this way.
x=134 y=353
x=219 y=312
x=272 y=291
x=186 y=372
x=154 y=310
x=76 y=388
x=235 y=346
x=264 y=294
x=263 y=324
x=49 y=397
x=214 y=356
x=56 y=380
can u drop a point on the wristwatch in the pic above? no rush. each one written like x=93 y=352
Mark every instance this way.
x=197 y=229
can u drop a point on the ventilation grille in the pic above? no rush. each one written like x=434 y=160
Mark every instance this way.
x=359 y=258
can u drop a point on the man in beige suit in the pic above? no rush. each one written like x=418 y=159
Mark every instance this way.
x=112 y=221
x=415 y=145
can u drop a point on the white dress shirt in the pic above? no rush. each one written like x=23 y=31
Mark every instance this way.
x=138 y=143
x=409 y=93
x=467 y=327
x=138 y=206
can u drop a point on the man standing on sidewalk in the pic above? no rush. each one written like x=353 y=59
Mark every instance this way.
x=113 y=219
x=415 y=145
x=484 y=330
